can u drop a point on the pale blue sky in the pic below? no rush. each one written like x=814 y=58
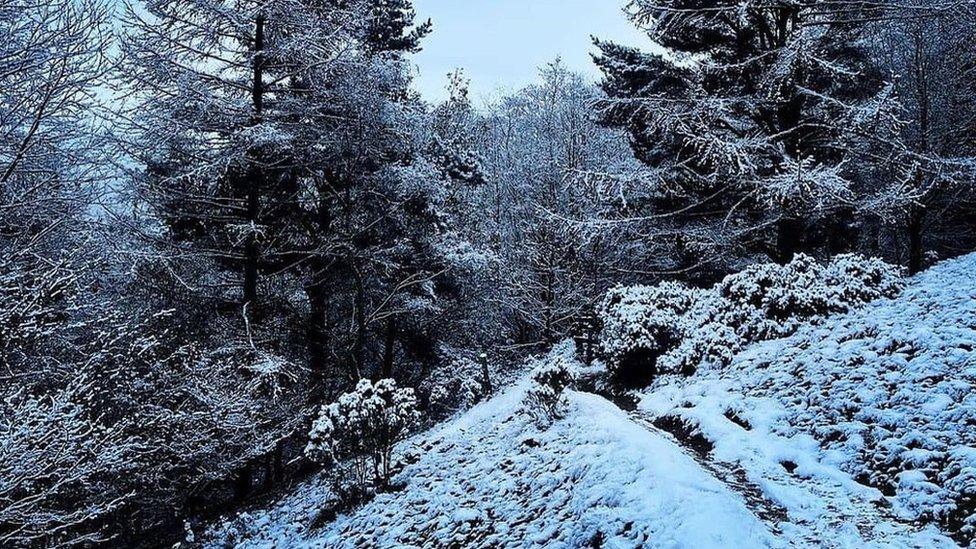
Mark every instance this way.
x=501 y=43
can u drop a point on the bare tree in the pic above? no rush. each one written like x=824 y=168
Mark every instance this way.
x=930 y=51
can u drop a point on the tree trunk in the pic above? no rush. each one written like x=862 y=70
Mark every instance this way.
x=916 y=213
x=842 y=235
x=549 y=299
x=916 y=222
x=269 y=471
x=254 y=175
x=278 y=466
x=242 y=486
x=359 y=350
x=485 y=375
x=389 y=349
x=251 y=246
x=789 y=232
x=315 y=329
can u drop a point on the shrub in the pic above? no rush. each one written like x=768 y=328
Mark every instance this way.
x=670 y=328
x=707 y=343
x=854 y=279
x=769 y=300
x=356 y=434
x=640 y=323
x=458 y=383
x=546 y=398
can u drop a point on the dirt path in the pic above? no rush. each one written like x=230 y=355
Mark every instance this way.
x=729 y=474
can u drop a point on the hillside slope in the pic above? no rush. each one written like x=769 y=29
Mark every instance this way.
x=883 y=395
x=854 y=433
x=493 y=479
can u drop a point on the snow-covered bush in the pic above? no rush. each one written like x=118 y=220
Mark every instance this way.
x=458 y=383
x=959 y=479
x=466 y=392
x=853 y=279
x=356 y=434
x=545 y=399
x=670 y=328
x=769 y=301
x=701 y=343
x=640 y=323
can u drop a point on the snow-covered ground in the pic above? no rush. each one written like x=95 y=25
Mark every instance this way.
x=492 y=478
x=883 y=395
x=805 y=437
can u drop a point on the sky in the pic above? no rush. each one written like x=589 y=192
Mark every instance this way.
x=500 y=44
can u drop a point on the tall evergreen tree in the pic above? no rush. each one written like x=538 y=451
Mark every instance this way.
x=758 y=115
x=285 y=149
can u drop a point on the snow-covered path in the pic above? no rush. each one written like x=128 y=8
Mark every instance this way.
x=730 y=474
x=491 y=478
x=807 y=511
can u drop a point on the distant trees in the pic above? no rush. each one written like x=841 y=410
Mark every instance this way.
x=543 y=153
x=929 y=50
x=52 y=57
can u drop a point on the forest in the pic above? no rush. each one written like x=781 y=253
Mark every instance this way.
x=238 y=248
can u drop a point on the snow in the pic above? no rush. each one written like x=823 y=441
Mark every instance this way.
x=491 y=478
x=807 y=435
x=882 y=395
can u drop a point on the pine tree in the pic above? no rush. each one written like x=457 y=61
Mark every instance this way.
x=392 y=29
x=279 y=192
x=227 y=102
x=278 y=137
x=759 y=114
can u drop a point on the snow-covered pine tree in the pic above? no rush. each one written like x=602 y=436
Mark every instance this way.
x=758 y=115
x=226 y=104
x=279 y=138
x=375 y=207
x=391 y=27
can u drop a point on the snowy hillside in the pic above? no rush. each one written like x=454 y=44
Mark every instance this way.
x=856 y=432
x=493 y=479
x=884 y=394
